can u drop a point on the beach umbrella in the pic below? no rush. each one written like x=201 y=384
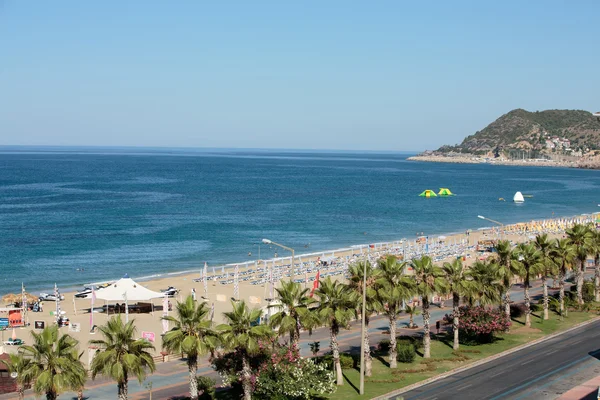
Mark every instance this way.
x=236 y=283
x=11 y=298
x=165 y=323
x=223 y=270
x=204 y=278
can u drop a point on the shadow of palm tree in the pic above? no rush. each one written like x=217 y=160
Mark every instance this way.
x=517 y=321
x=350 y=383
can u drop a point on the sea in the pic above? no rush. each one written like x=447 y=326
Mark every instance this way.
x=73 y=216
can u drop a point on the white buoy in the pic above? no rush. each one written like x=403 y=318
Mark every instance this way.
x=518 y=198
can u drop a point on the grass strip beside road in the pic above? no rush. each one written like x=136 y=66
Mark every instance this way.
x=443 y=359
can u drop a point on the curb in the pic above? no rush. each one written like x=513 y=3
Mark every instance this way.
x=482 y=361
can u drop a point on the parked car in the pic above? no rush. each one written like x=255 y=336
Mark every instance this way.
x=50 y=297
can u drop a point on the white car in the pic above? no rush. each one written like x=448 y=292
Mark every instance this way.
x=50 y=297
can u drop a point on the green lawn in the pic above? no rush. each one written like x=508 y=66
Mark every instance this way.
x=385 y=380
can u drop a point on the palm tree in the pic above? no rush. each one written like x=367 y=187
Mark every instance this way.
x=294 y=311
x=487 y=284
x=54 y=363
x=372 y=304
x=337 y=306
x=544 y=246
x=595 y=250
x=121 y=355
x=562 y=255
x=528 y=260
x=581 y=237
x=20 y=365
x=411 y=311
x=506 y=271
x=241 y=333
x=429 y=281
x=393 y=289
x=459 y=284
x=192 y=335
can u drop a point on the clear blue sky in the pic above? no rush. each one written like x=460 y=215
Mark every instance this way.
x=389 y=75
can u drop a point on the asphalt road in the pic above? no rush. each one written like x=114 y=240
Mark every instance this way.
x=531 y=373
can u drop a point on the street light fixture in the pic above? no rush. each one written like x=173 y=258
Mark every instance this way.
x=495 y=222
x=268 y=241
x=361 y=389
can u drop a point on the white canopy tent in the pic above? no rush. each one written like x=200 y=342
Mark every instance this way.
x=126 y=289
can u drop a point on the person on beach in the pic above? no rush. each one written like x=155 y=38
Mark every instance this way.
x=194 y=294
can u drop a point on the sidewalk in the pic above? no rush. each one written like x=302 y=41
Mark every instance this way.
x=587 y=391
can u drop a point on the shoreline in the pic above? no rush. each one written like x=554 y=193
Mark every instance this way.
x=352 y=250
x=492 y=161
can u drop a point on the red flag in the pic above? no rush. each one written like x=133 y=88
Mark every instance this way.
x=315 y=283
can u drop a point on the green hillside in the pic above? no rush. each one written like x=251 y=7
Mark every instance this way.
x=521 y=129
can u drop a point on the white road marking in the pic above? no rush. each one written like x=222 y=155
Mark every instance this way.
x=463 y=387
x=527 y=362
x=579 y=341
x=499 y=373
x=550 y=352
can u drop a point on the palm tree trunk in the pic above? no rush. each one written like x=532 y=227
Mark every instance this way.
x=122 y=390
x=246 y=378
x=597 y=278
x=336 y=357
x=192 y=369
x=51 y=395
x=426 y=337
x=527 y=302
x=411 y=322
x=80 y=394
x=393 y=353
x=561 y=293
x=580 y=282
x=507 y=303
x=455 y=315
x=545 y=296
x=368 y=358
x=21 y=391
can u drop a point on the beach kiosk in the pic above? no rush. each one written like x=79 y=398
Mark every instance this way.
x=428 y=193
x=127 y=290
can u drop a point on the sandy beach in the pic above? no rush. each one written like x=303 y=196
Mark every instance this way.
x=220 y=290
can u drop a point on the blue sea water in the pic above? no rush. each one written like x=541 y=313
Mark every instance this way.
x=147 y=212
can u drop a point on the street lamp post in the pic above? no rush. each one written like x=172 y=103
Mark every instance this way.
x=362 y=326
x=495 y=222
x=267 y=241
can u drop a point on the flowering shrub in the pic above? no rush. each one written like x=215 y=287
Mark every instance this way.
x=289 y=376
x=278 y=373
x=480 y=324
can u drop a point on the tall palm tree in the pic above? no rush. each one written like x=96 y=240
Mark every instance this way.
x=20 y=365
x=120 y=355
x=506 y=271
x=337 y=306
x=595 y=250
x=54 y=363
x=460 y=283
x=544 y=246
x=528 y=260
x=372 y=304
x=393 y=289
x=293 y=311
x=487 y=284
x=580 y=237
x=241 y=333
x=191 y=334
x=429 y=281
x=562 y=255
